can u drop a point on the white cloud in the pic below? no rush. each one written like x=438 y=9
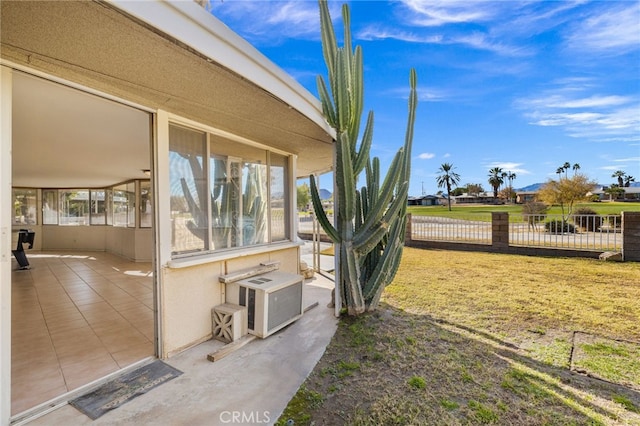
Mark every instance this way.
x=431 y=13
x=508 y=167
x=476 y=40
x=274 y=19
x=613 y=30
x=376 y=32
x=426 y=156
x=591 y=116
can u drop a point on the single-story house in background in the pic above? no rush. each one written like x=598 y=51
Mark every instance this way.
x=424 y=200
x=631 y=193
x=481 y=198
x=526 y=196
x=126 y=127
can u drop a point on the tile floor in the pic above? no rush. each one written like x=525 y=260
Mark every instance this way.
x=76 y=318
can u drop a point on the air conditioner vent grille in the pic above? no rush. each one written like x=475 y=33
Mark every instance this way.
x=259 y=281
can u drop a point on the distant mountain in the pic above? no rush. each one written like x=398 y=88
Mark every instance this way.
x=324 y=194
x=532 y=187
x=536 y=186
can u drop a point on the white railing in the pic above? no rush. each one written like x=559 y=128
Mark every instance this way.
x=578 y=232
x=470 y=229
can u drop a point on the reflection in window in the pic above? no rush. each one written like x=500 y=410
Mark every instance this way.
x=230 y=208
x=188 y=190
x=24 y=207
x=254 y=208
x=279 y=207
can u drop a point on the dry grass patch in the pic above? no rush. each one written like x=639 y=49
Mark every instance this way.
x=475 y=338
x=509 y=294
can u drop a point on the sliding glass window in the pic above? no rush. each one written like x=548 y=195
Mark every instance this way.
x=230 y=208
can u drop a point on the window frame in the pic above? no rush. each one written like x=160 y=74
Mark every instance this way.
x=209 y=154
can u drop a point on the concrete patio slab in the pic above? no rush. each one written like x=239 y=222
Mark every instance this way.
x=250 y=386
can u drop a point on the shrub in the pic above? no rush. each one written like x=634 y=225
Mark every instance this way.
x=587 y=219
x=533 y=212
x=615 y=221
x=558 y=226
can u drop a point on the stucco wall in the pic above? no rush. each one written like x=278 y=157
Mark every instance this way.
x=130 y=243
x=190 y=293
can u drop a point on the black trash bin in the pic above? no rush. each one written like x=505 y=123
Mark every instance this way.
x=25 y=236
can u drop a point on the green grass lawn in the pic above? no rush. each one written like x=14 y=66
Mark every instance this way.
x=515 y=210
x=481 y=338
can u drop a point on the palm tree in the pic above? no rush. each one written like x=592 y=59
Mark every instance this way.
x=620 y=175
x=576 y=167
x=511 y=177
x=446 y=178
x=496 y=179
x=628 y=179
x=566 y=166
x=559 y=171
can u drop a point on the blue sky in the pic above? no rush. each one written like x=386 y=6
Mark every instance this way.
x=522 y=85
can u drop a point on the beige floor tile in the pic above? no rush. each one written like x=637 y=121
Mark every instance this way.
x=76 y=318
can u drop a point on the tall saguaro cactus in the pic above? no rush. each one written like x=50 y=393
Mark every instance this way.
x=370 y=222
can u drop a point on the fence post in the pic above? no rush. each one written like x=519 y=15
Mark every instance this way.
x=407 y=231
x=631 y=236
x=500 y=230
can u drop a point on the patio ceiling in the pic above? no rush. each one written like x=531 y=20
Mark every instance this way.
x=98 y=45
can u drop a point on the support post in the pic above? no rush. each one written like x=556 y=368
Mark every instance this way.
x=631 y=236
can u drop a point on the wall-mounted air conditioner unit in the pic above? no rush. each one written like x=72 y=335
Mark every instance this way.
x=273 y=300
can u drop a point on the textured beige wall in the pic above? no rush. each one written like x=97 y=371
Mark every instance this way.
x=189 y=294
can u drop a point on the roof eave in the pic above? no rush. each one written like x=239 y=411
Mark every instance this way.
x=195 y=27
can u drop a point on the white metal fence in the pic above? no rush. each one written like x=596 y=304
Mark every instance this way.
x=578 y=232
x=474 y=228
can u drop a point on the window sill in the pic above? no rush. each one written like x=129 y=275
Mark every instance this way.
x=202 y=259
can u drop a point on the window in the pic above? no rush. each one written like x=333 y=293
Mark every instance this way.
x=188 y=189
x=124 y=205
x=146 y=208
x=50 y=206
x=131 y=204
x=98 y=215
x=224 y=202
x=278 y=209
x=73 y=207
x=24 y=207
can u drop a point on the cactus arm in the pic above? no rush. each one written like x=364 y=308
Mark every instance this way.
x=386 y=192
x=364 y=242
x=362 y=156
x=320 y=213
x=383 y=273
x=357 y=94
x=345 y=178
x=341 y=93
x=327 y=107
x=328 y=36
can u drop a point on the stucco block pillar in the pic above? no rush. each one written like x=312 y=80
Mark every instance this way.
x=500 y=229
x=631 y=236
